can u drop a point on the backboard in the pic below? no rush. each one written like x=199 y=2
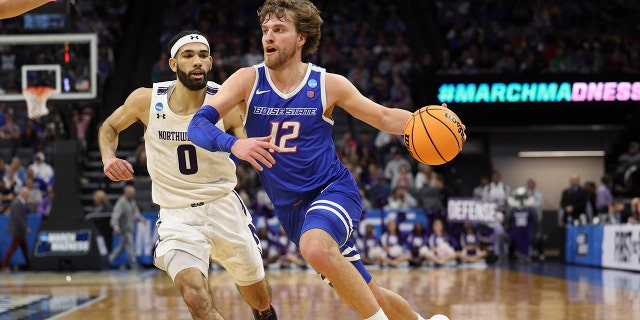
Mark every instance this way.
x=66 y=62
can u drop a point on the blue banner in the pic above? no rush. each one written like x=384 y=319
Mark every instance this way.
x=584 y=245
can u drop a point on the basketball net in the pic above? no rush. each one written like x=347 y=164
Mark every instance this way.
x=36 y=98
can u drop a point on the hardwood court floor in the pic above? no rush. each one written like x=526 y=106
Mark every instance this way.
x=551 y=291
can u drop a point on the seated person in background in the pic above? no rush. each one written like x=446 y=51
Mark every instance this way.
x=402 y=178
x=401 y=199
x=634 y=211
x=270 y=252
x=288 y=253
x=100 y=202
x=470 y=242
x=417 y=244
x=393 y=244
x=372 y=251
x=441 y=246
x=615 y=214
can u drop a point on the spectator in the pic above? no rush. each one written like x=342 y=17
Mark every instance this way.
x=441 y=245
x=497 y=191
x=100 y=202
x=81 y=119
x=634 y=211
x=604 y=197
x=573 y=201
x=41 y=169
x=12 y=181
x=393 y=244
x=366 y=204
x=3 y=167
x=402 y=178
x=615 y=213
x=37 y=182
x=18 y=168
x=423 y=176
x=393 y=166
x=270 y=252
x=287 y=251
x=125 y=214
x=401 y=199
x=30 y=135
x=160 y=70
x=379 y=192
x=103 y=208
x=372 y=252
x=18 y=229
x=140 y=163
x=590 y=209
x=7 y=196
x=417 y=244
x=470 y=244
x=429 y=197
x=478 y=191
x=10 y=131
x=35 y=195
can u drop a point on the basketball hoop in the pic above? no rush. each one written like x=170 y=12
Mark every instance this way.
x=36 y=98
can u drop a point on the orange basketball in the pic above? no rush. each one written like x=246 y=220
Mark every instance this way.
x=434 y=135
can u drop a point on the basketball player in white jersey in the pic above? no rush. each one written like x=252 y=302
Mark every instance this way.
x=13 y=8
x=201 y=216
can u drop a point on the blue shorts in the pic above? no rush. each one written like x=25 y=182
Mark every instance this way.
x=336 y=210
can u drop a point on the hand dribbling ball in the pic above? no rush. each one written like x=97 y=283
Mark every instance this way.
x=434 y=135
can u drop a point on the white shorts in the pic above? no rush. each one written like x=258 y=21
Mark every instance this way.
x=221 y=230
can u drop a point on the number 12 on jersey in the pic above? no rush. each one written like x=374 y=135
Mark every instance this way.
x=288 y=130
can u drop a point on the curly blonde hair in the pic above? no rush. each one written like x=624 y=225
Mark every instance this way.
x=304 y=15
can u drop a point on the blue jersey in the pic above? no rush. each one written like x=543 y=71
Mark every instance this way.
x=296 y=122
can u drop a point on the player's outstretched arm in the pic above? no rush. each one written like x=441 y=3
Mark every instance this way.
x=203 y=132
x=341 y=92
x=12 y=8
x=135 y=108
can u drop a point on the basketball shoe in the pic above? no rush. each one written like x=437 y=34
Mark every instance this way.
x=439 y=317
x=265 y=315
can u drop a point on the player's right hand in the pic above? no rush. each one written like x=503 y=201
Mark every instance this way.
x=118 y=169
x=254 y=151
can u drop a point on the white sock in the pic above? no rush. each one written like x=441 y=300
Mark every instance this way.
x=378 y=316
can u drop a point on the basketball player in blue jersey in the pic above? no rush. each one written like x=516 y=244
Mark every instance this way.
x=201 y=217
x=315 y=197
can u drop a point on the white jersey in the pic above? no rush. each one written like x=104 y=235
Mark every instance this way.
x=182 y=174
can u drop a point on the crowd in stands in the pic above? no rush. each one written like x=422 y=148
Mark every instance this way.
x=537 y=37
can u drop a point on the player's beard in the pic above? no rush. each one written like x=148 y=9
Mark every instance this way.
x=191 y=84
x=280 y=58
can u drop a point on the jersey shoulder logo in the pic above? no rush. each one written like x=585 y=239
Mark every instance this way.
x=262 y=91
